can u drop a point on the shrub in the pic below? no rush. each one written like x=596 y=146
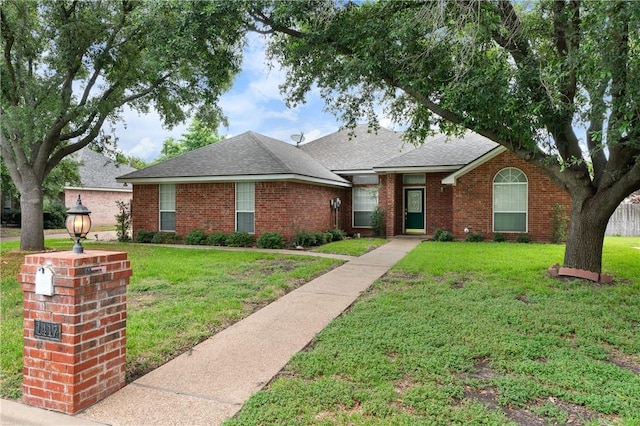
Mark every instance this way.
x=305 y=239
x=499 y=237
x=337 y=234
x=320 y=237
x=240 y=239
x=217 y=239
x=443 y=235
x=143 y=236
x=165 y=238
x=123 y=221
x=271 y=240
x=55 y=215
x=560 y=219
x=523 y=238
x=378 y=222
x=475 y=238
x=195 y=237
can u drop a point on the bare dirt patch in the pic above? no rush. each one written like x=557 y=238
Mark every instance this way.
x=625 y=361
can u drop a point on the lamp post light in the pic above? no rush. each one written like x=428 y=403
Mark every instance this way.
x=78 y=224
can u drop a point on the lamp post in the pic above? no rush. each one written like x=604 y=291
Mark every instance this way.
x=78 y=224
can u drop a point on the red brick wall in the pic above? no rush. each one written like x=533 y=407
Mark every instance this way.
x=439 y=209
x=102 y=204
x=284 y=207
x=144 y=208
x=473 y=199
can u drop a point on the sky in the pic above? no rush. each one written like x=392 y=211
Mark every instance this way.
x=254 y=103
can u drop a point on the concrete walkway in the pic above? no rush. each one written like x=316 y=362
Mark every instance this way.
x=210 y=383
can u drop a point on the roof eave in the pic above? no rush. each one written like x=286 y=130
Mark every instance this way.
x=452 y=179
x=417 y=169
x=237 y=178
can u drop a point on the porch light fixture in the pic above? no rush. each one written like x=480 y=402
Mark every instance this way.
x=78 y=224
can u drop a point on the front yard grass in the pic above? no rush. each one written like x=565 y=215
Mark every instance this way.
x=351 y=247
x=177 y=297
x=472 y=333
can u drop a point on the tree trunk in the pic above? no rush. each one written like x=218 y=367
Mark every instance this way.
x=32 y=222
x=589 y=219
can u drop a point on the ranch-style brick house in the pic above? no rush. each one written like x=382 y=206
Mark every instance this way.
x=254 y=183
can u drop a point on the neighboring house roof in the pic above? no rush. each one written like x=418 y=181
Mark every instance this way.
x=346 y=154
x=249 y=156
x=440 y=154
x=98 y=172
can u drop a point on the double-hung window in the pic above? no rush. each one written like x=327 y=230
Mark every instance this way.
x=245 y=207
x=510 y=193
x=167 y=206
x=365 y=200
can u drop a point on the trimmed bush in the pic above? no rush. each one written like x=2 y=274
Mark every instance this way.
x=165 y=238
x=271 y=240
x=337 y=234
x=305 y=239
x=143 y=236
x=217 y=239
x=475 y=238
x=195 y=238
x=240 y=239
x=499 y=237
x=443 y=235
x=523 y=238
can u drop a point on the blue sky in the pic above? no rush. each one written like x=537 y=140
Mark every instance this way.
x=253 y=103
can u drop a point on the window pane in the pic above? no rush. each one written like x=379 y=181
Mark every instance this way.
x=167 y=221
x=167 y=197
x=365 y=179
x=510 y=222
x=510 y=197
x=413 y=179
x=245 y=222
x=362 y=219
x=245 y=196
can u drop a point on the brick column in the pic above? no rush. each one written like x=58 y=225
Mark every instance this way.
x=74 y=340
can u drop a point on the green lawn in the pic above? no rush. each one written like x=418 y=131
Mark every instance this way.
x=177 y=297
x=472 y=333
x=351 y=247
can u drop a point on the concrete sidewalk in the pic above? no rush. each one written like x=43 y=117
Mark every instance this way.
x=210 y=383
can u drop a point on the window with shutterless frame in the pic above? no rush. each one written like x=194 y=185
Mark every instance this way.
x=245 y=207
x=365 y=200
x=510 y=201
x=167 y=207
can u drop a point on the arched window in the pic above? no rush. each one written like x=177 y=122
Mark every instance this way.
x=510 y=194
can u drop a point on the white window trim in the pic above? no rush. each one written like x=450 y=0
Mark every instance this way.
x=353 y=204
x=245 y=211
x=160 y=210
x=526 y=208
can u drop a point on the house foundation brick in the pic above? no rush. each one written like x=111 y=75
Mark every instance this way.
x=85 y=362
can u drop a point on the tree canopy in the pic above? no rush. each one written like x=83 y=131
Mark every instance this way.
x=198 y=135
x=555 y=82
x=69 y=67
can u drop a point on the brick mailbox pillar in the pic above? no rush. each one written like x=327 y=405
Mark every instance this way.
x=74 y=328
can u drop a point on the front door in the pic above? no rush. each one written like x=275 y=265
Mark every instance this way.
x=414 y=210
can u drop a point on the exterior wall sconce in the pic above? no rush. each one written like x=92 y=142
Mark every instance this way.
x=78 y=224
x=335 y=205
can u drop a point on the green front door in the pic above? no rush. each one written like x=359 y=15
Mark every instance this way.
x=414 y=210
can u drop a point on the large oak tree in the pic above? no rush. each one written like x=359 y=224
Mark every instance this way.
x=69 y=67
x=555 y=82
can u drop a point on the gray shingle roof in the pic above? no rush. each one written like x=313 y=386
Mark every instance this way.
x=99 y=172
x=248 y=154
x=442 y=151
x=340 y=152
